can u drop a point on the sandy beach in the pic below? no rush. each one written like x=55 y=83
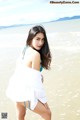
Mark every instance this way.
x=61 y=82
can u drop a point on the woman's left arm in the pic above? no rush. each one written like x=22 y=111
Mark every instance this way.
x=36 y=61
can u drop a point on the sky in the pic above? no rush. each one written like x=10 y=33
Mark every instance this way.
x=33 y=11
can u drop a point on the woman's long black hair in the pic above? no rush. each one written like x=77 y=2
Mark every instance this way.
x=45 y=51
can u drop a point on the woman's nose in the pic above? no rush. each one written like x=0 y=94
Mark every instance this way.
x=40 y=42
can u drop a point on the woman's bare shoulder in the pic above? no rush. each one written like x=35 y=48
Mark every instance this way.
x=35 y=58
x=35 y=54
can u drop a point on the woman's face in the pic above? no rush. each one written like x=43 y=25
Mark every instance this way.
x=38 y=41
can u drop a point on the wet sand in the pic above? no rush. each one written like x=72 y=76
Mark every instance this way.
x=62 y=82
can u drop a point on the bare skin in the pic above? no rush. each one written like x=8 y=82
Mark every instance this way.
x=42 y=109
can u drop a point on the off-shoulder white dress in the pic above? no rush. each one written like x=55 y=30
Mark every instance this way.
x=26 y=84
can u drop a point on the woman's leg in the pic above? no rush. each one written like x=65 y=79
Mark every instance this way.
x=21 y=111
x=43 y=110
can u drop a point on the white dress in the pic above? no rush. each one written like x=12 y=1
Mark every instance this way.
x=26 y=84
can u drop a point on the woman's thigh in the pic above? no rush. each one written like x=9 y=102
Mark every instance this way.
x=20 y=109
x=42 y=108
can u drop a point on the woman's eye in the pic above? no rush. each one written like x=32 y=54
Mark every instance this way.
x=37 y=39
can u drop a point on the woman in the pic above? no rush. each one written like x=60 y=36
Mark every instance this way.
x=25 y=86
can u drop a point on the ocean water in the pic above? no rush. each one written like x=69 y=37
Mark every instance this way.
x=76 y=17
x=62 y=82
